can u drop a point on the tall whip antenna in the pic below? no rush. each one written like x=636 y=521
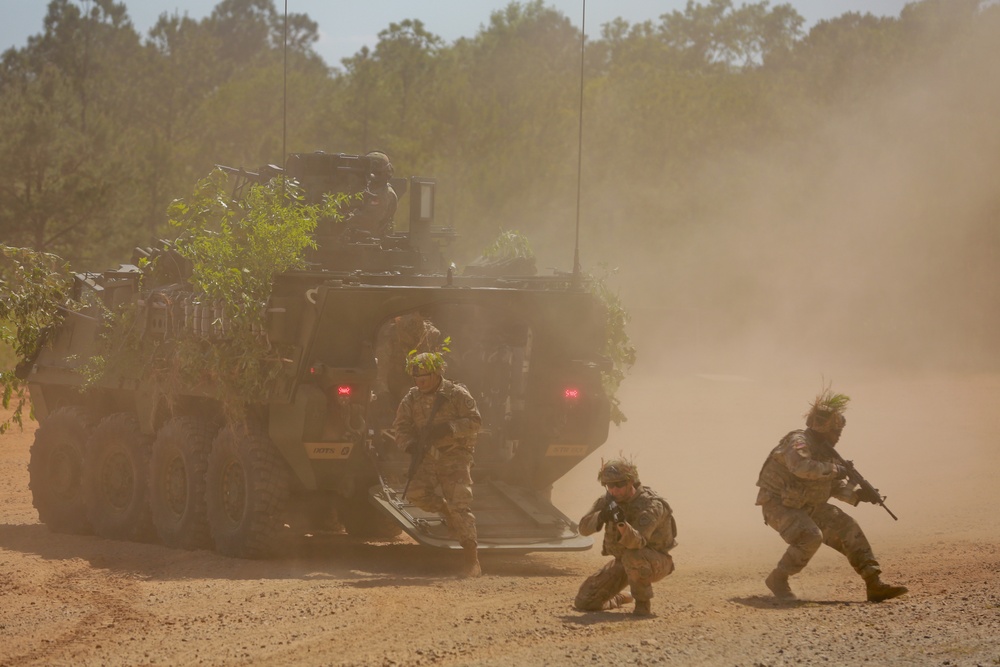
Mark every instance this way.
x=284 y=96
x=579 y=153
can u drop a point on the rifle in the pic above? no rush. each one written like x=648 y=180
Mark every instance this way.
x=419 y=447
x=855 y=478
x=615 y=512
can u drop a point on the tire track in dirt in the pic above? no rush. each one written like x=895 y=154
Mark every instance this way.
x=99 y=608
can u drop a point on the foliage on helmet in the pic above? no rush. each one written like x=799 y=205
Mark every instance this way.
x=617 y=470
x=827 y=411
x=428 y=362
x=432 y=361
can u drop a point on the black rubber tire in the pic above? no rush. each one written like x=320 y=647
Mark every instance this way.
x=248 y=491
x=116 y=472
x=177 y=468
x=56 y=472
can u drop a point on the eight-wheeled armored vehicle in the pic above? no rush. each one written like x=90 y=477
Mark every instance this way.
x=124 y=459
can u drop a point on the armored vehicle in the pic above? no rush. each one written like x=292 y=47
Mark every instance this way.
x=122 y=458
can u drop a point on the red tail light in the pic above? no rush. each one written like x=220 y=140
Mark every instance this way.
x=571 y=393
x=344 y=391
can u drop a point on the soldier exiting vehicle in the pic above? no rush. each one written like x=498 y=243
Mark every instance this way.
x=798 y=478
x=639 y=531
x=438 y=420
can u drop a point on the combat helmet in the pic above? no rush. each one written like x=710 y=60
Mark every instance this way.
x=425 y=362
x=826 y=413
x=380 y=165
x=617 y=470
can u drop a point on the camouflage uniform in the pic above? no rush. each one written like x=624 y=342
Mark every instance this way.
x=796 y=481
x=640 y=556
x=798 y=478
x=447 y=462
x=375 y=213
x=373 y=216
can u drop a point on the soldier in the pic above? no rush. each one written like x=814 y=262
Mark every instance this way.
x=640 y=539
x=798 y=478
x=441 y=417
x=374 y=214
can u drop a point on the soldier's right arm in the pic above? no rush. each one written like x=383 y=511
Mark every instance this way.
x=589 y=522
x=406 y=427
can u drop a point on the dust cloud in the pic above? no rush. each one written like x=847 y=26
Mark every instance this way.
x=869 y=259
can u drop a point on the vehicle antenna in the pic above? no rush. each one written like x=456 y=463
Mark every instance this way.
x=579 y=152
x=284 y=95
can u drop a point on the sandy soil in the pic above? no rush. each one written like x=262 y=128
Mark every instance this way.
x=929 y=442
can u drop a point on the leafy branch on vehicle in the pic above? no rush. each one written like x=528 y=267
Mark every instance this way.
x=34 y=289
x=235 y=247
x=618 y=347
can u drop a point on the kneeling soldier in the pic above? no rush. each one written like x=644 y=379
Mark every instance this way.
x=639 y=531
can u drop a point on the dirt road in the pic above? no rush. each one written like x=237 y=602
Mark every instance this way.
x=930 y=442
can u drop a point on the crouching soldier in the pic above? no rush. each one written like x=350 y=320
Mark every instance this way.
x=639 y=531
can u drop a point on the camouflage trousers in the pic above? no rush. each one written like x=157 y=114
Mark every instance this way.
x=638 y=568
x=804 y=530
x=443 y=484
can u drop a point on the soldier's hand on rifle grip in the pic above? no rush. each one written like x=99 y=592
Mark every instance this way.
x=869 y=496
x=840 y=472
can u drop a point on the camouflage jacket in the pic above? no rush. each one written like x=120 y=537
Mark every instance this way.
x=799 y=472
x=375 y=212
x=458 y=410
x=649 y=523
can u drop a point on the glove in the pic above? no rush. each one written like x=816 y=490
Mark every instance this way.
x=604 y=516
x=868 y=496
x=440 y=430
x=840 y=472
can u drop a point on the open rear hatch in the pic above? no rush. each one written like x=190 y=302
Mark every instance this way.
x=508 y=518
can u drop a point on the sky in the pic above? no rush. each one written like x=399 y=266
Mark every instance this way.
x=345 y=27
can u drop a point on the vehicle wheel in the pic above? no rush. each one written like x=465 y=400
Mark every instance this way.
x=55 y=470
x=177 y=468
x=248 y=491
x=362 y=519
x=116 y=468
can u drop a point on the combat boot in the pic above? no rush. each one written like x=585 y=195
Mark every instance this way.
x=619 y=600
x=777 y=582
x=642 y=608
x=470 y=563
x=879 y=591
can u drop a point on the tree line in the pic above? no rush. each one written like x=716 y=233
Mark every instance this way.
x=101 y=127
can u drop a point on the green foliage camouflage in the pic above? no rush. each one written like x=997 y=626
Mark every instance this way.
x=236 y=247
x=509 y=244
x=34 y=289
x=619 y=348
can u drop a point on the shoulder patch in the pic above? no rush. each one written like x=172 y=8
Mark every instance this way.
x=645 y=520
x=801 y=448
